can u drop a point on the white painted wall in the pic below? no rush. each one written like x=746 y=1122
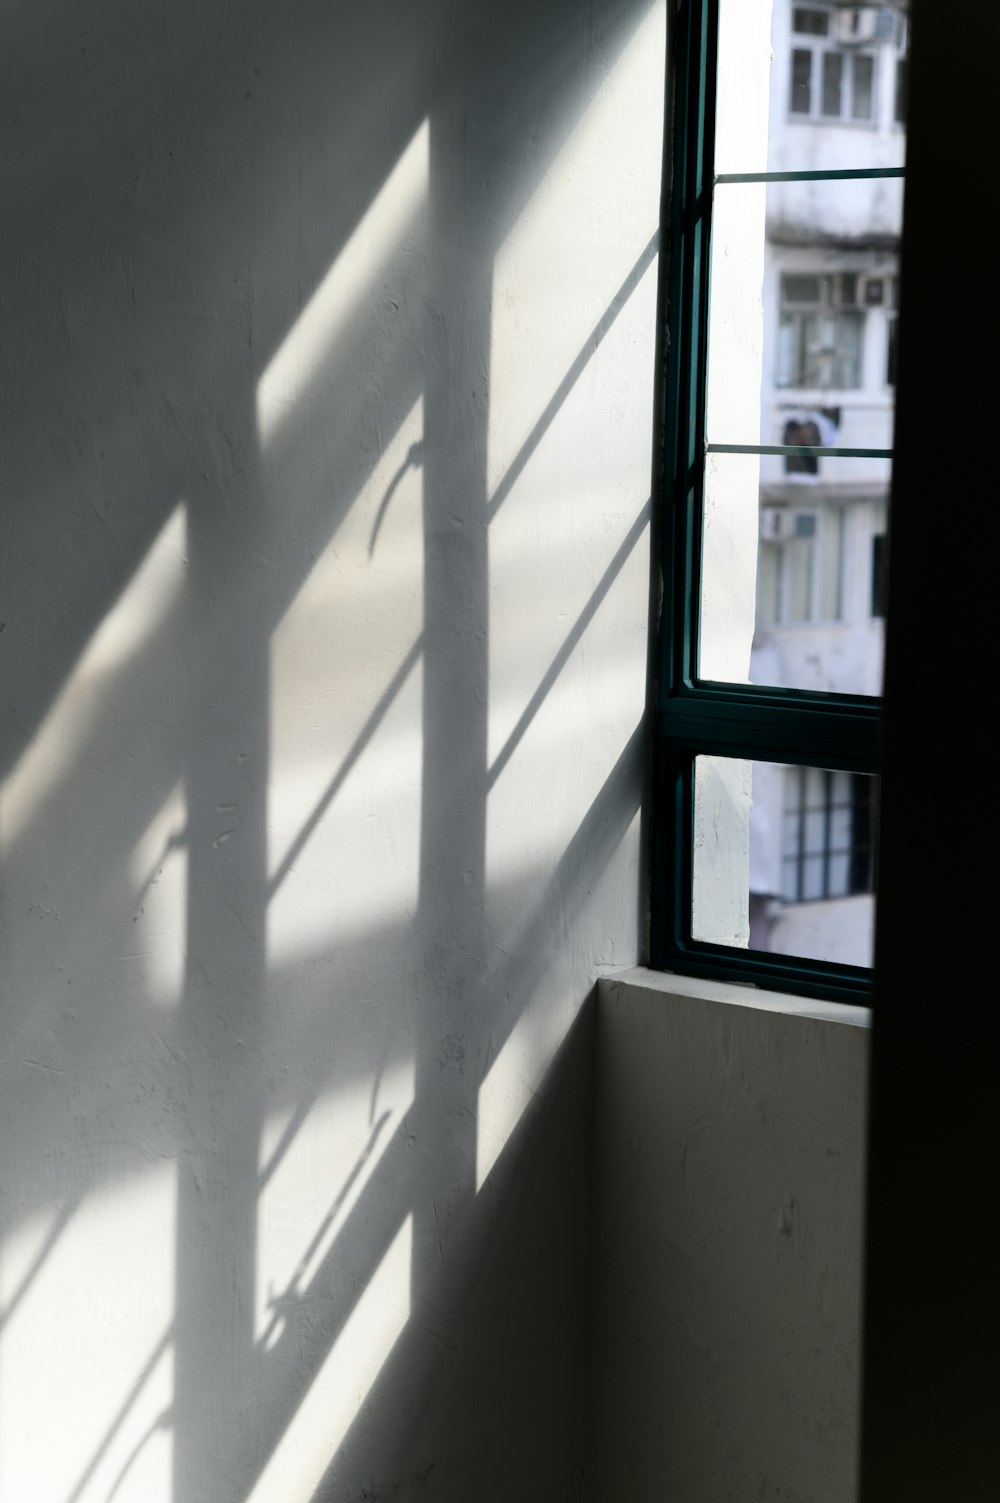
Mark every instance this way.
x=327 y=396
x=728 y=1207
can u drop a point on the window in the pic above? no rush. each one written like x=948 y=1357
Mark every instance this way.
x=827 y=835
x=799 y=565
x=822 y=331
x=724 y=745
x=828 y=82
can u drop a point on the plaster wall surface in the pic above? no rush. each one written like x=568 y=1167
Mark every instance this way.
x=326 y=395
x=728 y=1223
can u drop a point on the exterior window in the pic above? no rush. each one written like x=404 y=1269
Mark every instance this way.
x=827 y=835
x=799 y=565
x=822 y=332
x=828 y=82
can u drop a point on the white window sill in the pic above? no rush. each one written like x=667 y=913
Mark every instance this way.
x=638 y=979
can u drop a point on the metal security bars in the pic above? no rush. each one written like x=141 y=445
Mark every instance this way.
x=694 y=716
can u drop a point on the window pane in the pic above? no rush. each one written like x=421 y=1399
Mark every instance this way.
x=800 y=98
x=807 y=291
x=830 y=563
x=798 y=568
x=833 y=82
x=798 y=877
x=810 y=75
x=803 y=279
x=787 y=353
x=862 y=100
x=769 y=583
x=810 y=22
x=847 y=335
x=793 y=566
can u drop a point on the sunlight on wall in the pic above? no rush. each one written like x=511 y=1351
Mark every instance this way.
x=339 y=1389
x=86 y=1378
x=573 y=330
x=517 y=1074
x=315 y=1179
x=346 y=748
x=390 y=217
x=560 y=752
x=575 y=243
x=128 y=626
x=158 y=870
x=512 y=1082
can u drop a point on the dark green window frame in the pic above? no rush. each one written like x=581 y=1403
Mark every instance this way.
x=693 y=716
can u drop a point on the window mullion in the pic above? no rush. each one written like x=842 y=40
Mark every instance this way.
x=730 y=723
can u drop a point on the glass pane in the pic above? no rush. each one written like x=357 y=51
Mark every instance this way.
x=833 y=83
x=864 y=73
x=800 y=93
x=796 y=82
x=803 y=290
x=802 y=345
x=798 y=568
x=810 y=22
x=794 y=568
x=797 y=876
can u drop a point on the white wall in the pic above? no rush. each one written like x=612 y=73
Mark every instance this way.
x=728 y=1205
x=327 y=399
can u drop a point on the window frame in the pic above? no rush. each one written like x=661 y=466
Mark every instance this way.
x=693 y=716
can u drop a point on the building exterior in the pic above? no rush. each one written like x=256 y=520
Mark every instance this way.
x=830 y=299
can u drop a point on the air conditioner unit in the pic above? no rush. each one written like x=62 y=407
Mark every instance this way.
x=873 y=292
x=777 y=524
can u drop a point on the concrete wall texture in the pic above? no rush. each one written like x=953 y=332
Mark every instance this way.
x=326 y=400
x=728 y=1215
x=326 y=393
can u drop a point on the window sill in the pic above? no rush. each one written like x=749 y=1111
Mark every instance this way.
x=639 y=980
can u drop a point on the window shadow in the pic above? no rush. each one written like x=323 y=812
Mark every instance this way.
x=240 y=1124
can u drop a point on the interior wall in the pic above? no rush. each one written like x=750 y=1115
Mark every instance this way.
x=326 y=394
x=728 y=1222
